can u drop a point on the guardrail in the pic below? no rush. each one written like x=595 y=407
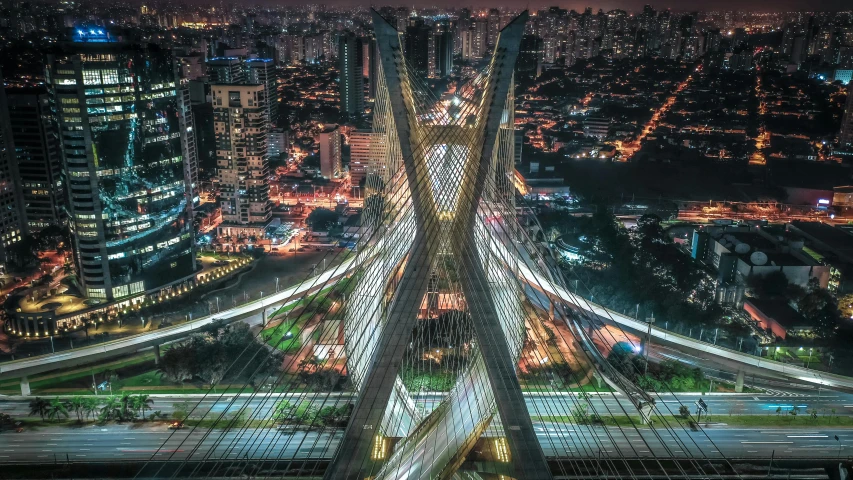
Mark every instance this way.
x=43 y=363
x=78 y=356
x=536 y=281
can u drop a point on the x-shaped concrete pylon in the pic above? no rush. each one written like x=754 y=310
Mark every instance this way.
x=445 y=216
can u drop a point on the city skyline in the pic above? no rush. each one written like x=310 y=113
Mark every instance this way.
x=425 y=242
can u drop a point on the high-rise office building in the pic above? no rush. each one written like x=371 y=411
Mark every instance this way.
x=330 y=151
x=11 y=229
x=225 y=70
x=846 y=138
x=351 y=62
x=37 y=157
x=313 y=48
x=441 y=54
x=417 y=41
x=120 y=130
x=369 y=61
x=494 y=22
x=189 y=143
x=262 y=71
x=367 y=150
x=242 y=158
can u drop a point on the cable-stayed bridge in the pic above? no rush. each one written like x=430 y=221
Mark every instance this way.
x=437 y=289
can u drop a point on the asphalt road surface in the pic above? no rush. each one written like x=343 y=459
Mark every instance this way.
x=668 y=439
x=123 y=442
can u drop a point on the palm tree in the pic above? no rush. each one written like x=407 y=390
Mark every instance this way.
x=111 y=410
x=77 y=404
x=90 y=406
x=126 y=401
x=38 y=406
x=141 y=402
x=57 y=409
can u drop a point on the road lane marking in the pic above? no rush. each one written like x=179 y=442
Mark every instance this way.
x=808 y=436
x=766 y=442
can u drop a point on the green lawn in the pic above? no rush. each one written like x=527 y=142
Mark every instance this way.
x=273 y=336
x=49 y=380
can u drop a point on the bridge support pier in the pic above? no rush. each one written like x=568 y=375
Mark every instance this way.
x=25 y=387
x=156 y=354
x=551 y=310
x=739 y=382
x=646 y=412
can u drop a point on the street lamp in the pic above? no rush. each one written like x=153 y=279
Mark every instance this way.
x=276 y=284
x=810 y=358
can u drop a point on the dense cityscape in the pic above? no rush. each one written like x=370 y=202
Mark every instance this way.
x=425 y=242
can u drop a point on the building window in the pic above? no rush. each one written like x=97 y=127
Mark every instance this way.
x=96 y=293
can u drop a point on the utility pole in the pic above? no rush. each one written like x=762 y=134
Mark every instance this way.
x=648 y=343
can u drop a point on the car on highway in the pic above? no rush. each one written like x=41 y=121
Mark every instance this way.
x=176 y=425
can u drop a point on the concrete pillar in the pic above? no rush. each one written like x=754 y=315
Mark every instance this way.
x=551 y=310
x=646 y=412
x=25 y=387
x=156 y=354
x=263 y=317
x=599 y=382
x=739 y=382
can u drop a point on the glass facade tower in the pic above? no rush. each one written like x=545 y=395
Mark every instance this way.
x=119 y=122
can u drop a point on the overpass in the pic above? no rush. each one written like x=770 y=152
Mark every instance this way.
x=34 y=365
x=265 y=306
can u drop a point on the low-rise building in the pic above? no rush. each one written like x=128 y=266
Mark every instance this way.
x=739 y=252
x=776 y=317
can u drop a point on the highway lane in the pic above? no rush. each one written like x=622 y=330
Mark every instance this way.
x=261 y=406
x=124 y=442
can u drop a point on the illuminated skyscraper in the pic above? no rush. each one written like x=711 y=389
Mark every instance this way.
x=262 y=71
x=10 y=201
x=37 y=158
x=846 y=139
x=351 y=85
x=119 y=124
x=225 y=70
x=330 y=151
x=241 y=127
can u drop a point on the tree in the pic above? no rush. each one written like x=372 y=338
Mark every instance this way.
x=57 y=410
x=91 y=406
x=283 y=412
x=774 y=284
x=684 y=411
x=77 y=403
x=306 y=413
x=178 y=363
x=39 y=406
x=820 y=310
x=321 y=218
x=126 y=401
x=111 y=409
x=142 y=402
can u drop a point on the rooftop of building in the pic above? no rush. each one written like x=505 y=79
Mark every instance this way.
x=839 y=238
x=780 y=311
x=778 y=253
x=57 y=305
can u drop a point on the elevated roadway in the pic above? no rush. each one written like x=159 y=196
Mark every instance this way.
x=80 y=356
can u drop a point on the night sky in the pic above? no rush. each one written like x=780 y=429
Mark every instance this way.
x=630 y=5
